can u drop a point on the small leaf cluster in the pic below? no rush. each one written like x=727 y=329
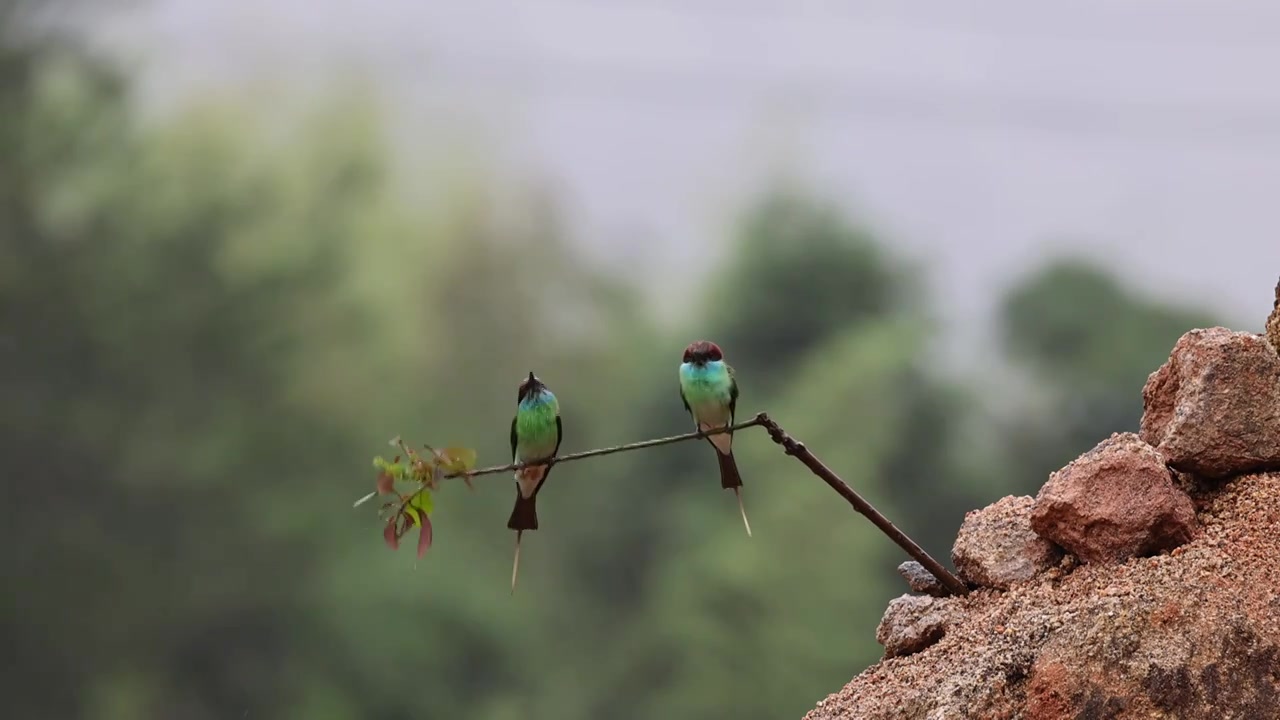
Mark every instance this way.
x=412 y=477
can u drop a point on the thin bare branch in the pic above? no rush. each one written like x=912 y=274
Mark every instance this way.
x=512 y=467
x=791 y=446
x=797 y=450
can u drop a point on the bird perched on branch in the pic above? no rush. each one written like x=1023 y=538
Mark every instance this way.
x=710 y=394
x=535 y=435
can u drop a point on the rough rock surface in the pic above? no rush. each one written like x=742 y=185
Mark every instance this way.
x=996 y=546
x=1114 y=502
x=1193 y=634
x=1273 y=322
x=1213 y=409
x=921 y=580
x=912 y=623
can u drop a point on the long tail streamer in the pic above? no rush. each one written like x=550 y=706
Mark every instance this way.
x=738 y=491
x=515 y=566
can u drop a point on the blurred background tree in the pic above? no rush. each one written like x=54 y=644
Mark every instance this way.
x=206 y=330
x=1083 y=344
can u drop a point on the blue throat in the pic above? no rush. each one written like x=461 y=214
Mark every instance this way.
x=703 y=372
x=533 y=400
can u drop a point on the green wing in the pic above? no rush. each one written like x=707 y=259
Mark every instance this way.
x=733 y=393
x=688 y=409
x=559 y=435
x=514 y=439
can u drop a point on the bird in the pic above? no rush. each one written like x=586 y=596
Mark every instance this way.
x=535 y=435
x=709 y=391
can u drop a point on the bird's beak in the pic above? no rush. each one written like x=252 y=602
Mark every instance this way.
x=532 y=379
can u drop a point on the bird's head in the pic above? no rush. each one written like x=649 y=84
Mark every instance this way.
x=530 y=387
x=703 y=352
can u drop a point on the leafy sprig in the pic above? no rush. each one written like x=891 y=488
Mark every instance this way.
x=422 y=474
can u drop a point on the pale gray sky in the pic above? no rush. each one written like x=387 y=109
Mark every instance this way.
x=978 y=134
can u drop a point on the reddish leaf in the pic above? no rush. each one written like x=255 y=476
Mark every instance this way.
x=424 y=536
x=386 y=483
x=390 y=535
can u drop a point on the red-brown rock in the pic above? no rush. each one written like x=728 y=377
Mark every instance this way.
x=1114 y=502
x=921 y=580
x=1213 y=409
x=996 y=546
x=912 y=623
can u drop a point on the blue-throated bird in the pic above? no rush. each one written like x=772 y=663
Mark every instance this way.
x=710 y=394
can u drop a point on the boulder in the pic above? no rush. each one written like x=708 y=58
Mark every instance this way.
x=921 y=580
x=996 y=546
x=1114 y=502
x=912 y=623
x=1213 y=409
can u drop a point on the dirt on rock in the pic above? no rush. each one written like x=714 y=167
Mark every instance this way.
x=1193 y=634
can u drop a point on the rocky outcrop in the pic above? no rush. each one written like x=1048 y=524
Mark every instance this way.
x=1165 y=605
x=1214 y=408
x=1114 y=502
x=1191 y=634
x=996 y=546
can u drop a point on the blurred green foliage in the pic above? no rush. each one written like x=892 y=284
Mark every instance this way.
x=204 y=335
x=1086 y=344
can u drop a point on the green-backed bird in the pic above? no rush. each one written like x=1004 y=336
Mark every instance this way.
x=710 y=394
x=535 y=435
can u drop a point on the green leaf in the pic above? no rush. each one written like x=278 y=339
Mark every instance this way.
x=412 y=512
x=457 y=459
x=423 y=501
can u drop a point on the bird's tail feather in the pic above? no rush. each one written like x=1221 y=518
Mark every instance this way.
x=729 y=477
x=742 y=509
x=515 y=564
x=524 y=516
